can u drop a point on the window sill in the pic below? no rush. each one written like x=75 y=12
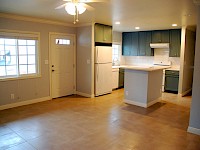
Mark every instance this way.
x=19 y=78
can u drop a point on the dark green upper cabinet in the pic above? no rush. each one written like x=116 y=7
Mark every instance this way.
x=175 y=43
x=144 y=44
x=138 y=43
x=130 y=44
x=160 y=36
x=103 y=33
x=126 y=43
x=135 y=45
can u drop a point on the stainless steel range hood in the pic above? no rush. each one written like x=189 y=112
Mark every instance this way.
x=159 y=45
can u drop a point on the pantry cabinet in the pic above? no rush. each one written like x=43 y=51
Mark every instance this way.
x=175 y=43
x=103 y=33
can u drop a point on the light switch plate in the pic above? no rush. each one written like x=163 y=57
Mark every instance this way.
x=46 y=62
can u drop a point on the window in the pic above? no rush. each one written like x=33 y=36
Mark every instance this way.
x=18 y=55
x=116 y=54
x=62 y=42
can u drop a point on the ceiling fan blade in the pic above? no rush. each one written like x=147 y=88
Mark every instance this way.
x=92 y=1
x=61 y=6
x=90 y=8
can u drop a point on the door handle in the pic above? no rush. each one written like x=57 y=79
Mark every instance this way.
x=52 y=70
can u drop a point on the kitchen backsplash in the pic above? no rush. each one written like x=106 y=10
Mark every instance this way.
x=138 y=60
x=148 y=60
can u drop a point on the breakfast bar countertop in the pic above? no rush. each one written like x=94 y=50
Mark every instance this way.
x=145 y=68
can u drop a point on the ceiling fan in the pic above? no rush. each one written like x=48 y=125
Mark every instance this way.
x=76 y=7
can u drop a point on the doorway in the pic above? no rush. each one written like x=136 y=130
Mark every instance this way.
x=62 y=64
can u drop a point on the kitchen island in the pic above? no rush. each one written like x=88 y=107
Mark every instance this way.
x=143 y=85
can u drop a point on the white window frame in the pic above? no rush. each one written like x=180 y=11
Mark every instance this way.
x=4 y=33
x=119 y=53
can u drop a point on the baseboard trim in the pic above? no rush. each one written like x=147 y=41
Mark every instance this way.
x=193 y=130
x=85 y=94
x=186 y=92
x=7 y=106
x=141 y=104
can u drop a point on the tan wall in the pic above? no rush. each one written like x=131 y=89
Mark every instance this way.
x=28 y=89
x=85 y=61
x=188 y=61
x=195 y=111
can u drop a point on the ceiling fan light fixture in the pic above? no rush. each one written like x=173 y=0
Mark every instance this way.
x=70 y=8
x=80 y=7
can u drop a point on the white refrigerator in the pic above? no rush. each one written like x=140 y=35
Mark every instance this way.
x=103 y=70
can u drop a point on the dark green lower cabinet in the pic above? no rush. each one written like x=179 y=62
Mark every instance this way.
x=121 y=77
x=171 y=81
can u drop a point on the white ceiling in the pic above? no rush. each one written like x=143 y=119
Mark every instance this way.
x=147 y=14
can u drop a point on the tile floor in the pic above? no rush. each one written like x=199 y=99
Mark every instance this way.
x=102 y=123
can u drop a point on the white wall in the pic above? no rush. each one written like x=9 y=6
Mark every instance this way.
x=194 y=125
x=29 y=89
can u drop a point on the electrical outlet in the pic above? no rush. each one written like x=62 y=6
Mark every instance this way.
x=88 y=61
x=12 y=96
x=126 y=93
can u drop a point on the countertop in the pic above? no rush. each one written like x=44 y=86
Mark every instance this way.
x=174 y=69
x=143 y=68
x=146 y=67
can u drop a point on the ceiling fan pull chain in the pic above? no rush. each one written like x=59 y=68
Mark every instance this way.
x=76 y=14
x=74 y=20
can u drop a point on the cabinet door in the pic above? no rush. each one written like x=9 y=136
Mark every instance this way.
x=175 y=43
x=107 y=34
x=115 y=79
x=127 y=43
x=99 y=33
x=142 y=44
x=121 y=77
x=160 y=36
x=135 y=43
x=149 y=51
x=171 y=83
x=165 y=36
x=156 y=37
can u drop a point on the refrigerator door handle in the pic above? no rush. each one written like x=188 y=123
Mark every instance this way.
x=97 y=72
x=97 y=55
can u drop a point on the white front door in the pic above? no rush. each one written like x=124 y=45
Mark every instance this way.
x=62 y=53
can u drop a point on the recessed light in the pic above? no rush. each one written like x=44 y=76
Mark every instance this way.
x=117 y=22
x=137 y=28
x=174 y=25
